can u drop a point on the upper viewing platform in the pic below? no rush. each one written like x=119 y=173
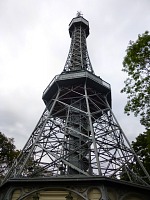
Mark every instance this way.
x=79 y=20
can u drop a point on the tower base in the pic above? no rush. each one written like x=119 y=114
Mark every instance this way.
x=73 y=188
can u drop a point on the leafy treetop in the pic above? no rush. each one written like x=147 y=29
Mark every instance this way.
x=8 y=153
x=142 y=148
x=137 y=86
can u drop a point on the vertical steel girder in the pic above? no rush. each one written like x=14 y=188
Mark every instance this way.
x=76 y=134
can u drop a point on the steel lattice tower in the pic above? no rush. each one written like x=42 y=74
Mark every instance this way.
x=78 y=134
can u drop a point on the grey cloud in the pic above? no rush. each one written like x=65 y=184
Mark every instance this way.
x=34 y=43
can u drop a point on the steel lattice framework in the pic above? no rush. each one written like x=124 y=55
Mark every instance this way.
x=78 y=58
x=78 y=133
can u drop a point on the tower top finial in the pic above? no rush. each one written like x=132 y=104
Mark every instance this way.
x=79 y=14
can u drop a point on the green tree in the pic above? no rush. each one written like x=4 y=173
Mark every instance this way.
x=137 y=86
x=8 y=153
x=142 y=148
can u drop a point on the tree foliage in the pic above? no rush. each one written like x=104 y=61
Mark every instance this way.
x=142 y=148
x=137 y=86
x=8 y=153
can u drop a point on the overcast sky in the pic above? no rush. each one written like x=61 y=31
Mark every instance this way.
x=34 y=44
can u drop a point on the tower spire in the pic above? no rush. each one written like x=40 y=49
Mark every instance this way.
x=78 y=58
x=79 y=14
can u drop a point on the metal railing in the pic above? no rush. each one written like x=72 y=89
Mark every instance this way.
x=75 y=75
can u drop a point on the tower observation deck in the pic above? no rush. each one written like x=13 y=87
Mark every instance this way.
x=78 y=134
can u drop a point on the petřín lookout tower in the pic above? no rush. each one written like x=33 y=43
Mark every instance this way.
x=77 y=149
